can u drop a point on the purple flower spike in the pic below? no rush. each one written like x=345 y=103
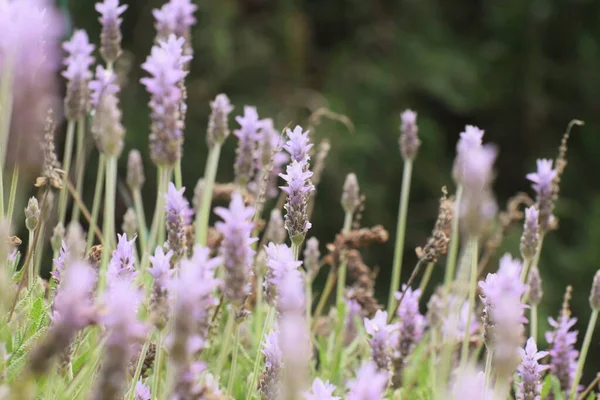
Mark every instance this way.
x=382 y=337
x=142 y=392
x=178 y=216
x=281 y=266
x=369 y=384
x=218 y=127
x=121 y=265
x=321 y=391
x=59 y=262
x=104 y=85
x=409 y=138
x=161 y=268
x=269 y=384
x=110 y=37
x=410 y=330
x=164 y=85
x=78 y=74
x=298 y=191
x=237 y=254
x=563 y=356
x=531 y=236
x=542 y=184
x=530 y=387
x=248 y=136
x=175 y=17
x=298 y=144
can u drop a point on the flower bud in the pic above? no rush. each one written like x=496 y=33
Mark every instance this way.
x=32 y=214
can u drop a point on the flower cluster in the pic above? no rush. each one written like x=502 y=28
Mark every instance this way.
x=542 y=181
x=178 y=216
x=78 y=62
x=110 y=38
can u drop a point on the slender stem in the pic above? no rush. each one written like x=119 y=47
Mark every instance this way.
x=141 y=219
x=426 y=277
x=97 y=199
x=433 y=361
x=13 y=193
x=31 y=266
x=534 y=264
x=225 y=343
x=590 y=387
x=6 y=105
x=157 y=367
x=159 y=211
x=62 y=202
x=341 y=282
x=472 y=288
x=39 y=249
x=1 y=192
x=400 y=230
x=534 y=322
x=408 y=284
x=138 y=370
x=501 y=388
x=234 y=360
x=489 y=354
x=267 y=323
x=79 y=165
x=210 y=173
x=454 y=240
x=525 y=270
x=178 y=179
x=109 y=217
x=584 y=350
x=331 y=278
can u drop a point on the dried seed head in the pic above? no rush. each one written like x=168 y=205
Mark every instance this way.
x=437 y=243
x=595 y=294
x=32 y=214
x=409 y=137
x=130 y=226
x=51 y=173
x=535 y=287
x=351 y=194
x=135 y=170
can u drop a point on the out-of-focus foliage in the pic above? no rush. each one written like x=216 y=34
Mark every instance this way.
x=521 y=70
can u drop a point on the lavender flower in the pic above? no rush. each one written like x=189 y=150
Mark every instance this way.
x=194 y=291
x=178 y=216
x=237 y=254
x=542 y=184
x=458 y=332
x=59 y=263
x=248 y=136
x=142 y=392
x=410 y=330
x=110 y=38
x=354 y=312
x=595 y=293
x=563 y=356
x=124 y=330
x=175 y=17
x=161 y=272
x=535 y=287
x=531 y=237
x=269 y=160
x=78 y=75
x=165 y=66
x=73 y=310
x=135 y=170
x=269 y=385
x=29 y=59
x=369 y=384
x=321 y=391
x=503 y=314
x=218 y=128
x=471 y=385
x=298 y=145
x=121 y=265
x=530 y=387
x=276 y=229
x=470 y=138
x=312 y=256
x=106 y=124
x=282 y=270
x=409 y=138
x=298 y=191
x=382 y=336
x=351 y=194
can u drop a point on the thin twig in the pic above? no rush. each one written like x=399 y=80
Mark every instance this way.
x=84 y=210
x=590 y=387
x=410 y=280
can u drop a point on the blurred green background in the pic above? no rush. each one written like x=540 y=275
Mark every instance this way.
x=519 y=69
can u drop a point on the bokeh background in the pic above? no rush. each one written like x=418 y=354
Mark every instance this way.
x=521 y=70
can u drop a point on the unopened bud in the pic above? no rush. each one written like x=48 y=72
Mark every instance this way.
x=409 y=135
x=32 y=214
x=351 y=194
x=130 y=226
x=135 y=170
x=58 y=235
x=595 y=295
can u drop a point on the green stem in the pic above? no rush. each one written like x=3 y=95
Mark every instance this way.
x=341 y=282
x=225 y=343
x=532 y=265
x=97 y=199
x=234 y=360
x=109 y=218
x=159 y=211
x=489 y=354
x=1 y=192
x=267 y=323
x=138 y=370
x=454 y=240
x=62 y=202
x=39 y=249
x=472 y=289
x=426 y=277
x=141 y=219
x=584 y=350
x=210 y=173
x=13 y=194
x=433 y=361
x=157 y=367
x=331 y=277
x=501 y=388
x=400 y=230
x=534 y=322
x=31 y=265
x=79 y=166
x=178 y=179
x=6 y=105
